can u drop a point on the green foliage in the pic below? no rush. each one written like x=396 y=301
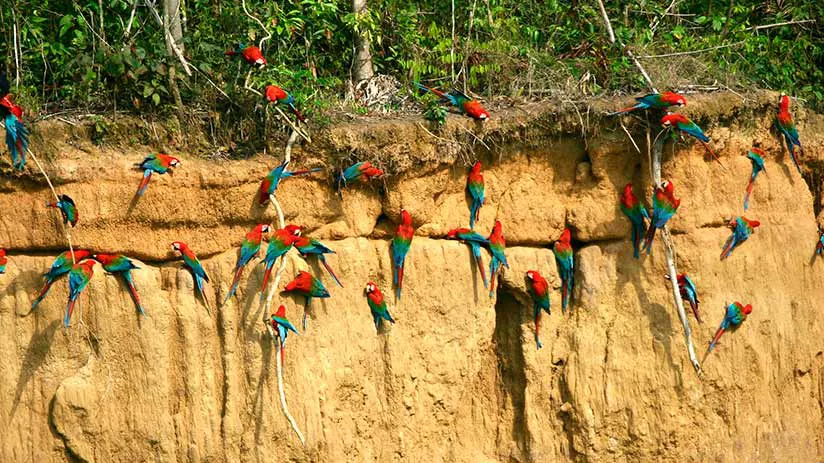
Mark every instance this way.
x=435 y=112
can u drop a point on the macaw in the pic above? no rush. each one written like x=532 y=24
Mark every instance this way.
x=475 y=241
x=637 y=214
x=248 y=251
x=377 y=305
x=250 y=54
x=688 y=293
x=311 y=247
x=3 y=261
x=198 y=273
x=276 y=94
x=62 y=265
x=400 y=246
x=465 y=104
x=742 y=228
x=282 y=326
x=475 y=188
x=664 y=206
x=680 y=123
x=735 y=316
x=160 y=163
x=280 y=243
x=67 y=208
x=784 y=123
x=497 y=246
x=118 y=264
x=363 y=170
x=270 y=183
x=17 y=137
x=819 y=246
x=79 y=277
x=566 y=266
x=661 y=101
x=756 y=156
x=539 y=290
x=307 y=286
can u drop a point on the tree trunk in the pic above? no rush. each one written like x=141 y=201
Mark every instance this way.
x=173 y=33
x=362 y=61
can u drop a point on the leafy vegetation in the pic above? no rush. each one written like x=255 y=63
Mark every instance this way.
x=112 y=55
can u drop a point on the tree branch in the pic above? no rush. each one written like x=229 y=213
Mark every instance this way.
x=626 y=50
x=691 y=52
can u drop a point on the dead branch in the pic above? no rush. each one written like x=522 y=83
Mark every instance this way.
x=691 y=52
x=626 y=50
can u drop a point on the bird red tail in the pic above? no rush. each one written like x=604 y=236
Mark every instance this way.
x=147 y=175
x=749 y=192
x=694 y=306
x=715 y=339
x=135 y=297
x=235 y=282
x=298 y=114
x=712 y=153
x=727 y=247
x=266 y=274
x=329 y=269
x=480 y=262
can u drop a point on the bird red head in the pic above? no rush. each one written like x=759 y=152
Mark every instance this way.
x=476 y=168
x=371 y=171
x=667 y=187
x=531 y=274
x=673 y=99
x=454 y=232
x=671 y=119
x=747 y=309
x=628 y=190
x=566 y=236
x=87 y=265
x=302 y=282
x=406 y=219
x=179 y=246
x=758 y=151
x=281 y=312
x=371 y=287
x=104 y=259
x=170 y=161
x=496 y=229
x=293 y=230
x=752 y=223
x=273 y=92
x=784 y=102
x=263 y=228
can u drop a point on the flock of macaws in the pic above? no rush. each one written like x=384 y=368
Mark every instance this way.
x=79 y=264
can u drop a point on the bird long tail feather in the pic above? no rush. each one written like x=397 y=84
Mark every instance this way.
x=625 y=110
x=329 y=269
x=729 y=245
x=235 y=282
x=694 y=306
x=42 y=294
x=202 y=293
x=649 y=238
x=715 y=340
x=538 y=343
x=69 y=309
x=133 y=292
x=564 y=294
x=712 y=153
x=297 y=113
x=398 y=280
x=749 y=192
x=144 y=184
x=791 y=148
x=305 y=172
x=431 y=90
x=476 y=251
x=637 y=233
x=474 y=213
x=266 y=274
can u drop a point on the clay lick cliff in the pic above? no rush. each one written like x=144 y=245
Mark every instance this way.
x=457 y=377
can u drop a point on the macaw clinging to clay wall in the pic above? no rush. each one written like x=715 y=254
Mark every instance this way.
x=62 y=265
x=659 y=101
x=733 y=318
x=155 y=163
x=756 y=156
x=118 y=264
x=377 y=305
x=638 y=216
x=475 y=188
x=17 y=137
x=465 y=104
x=475 y=241
x=248 y=250
x=67 y=208
x=400 y=247
x=784 y=123
x=565 y=262
x=664 y=206
x=538 y=289
x=198 y=272
x=742 y=228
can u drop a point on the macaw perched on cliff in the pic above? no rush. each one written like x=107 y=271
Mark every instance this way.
x=3 y=261
x=62 y=265
x=17 y=137
x=307 y=286
x=638 y=216
x=360 y=171
x=248 y=250
x=67 y=208
x=276 y=94
x=756 y=156
x=664 y=206
x=400 y=246
x=198 y=273
x=377 y=305
x=282 y=326
x=660 y=101
x=475 y=241
x=311 y=247
x=689 y=293
x=566 y=266
x=270 y=183
x=742 y=228
x=118 y=264
x=465 y=104
x=280 y=243
x=784 y=123
x=683 y=125
x=250 y=54
x=539 y=290
x=475 y=188
x=819 y=245
x=79 y=276
x=160 y=163
x=497 y=247
x=733 y=318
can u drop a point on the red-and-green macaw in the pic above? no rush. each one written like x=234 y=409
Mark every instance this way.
x=79 y=277
x=17 y=137
x=742 y=228
x=118 y=264
x=248 y=251
x=733 y=318
x=539 y=290
x=400 y=246
x=250 y=54
x=270 y=183
x=62 y=265
x=756 y=156
x=157 y=162
x=276 y=94
x=360 y=171
x=784 y=123
x=280 y=243
x=67 y=208
x=664 y=206
x=475 y=189
x=377 y=305
x=198 y=272
x=307 y=286
x=689 y=293
x=681 y=124
x=465 y=104
x=3 y=261
x=660 y=101
x=475 y=241
x=311 y=247
x=819 y=245
x=282 y=326
x=565 y=261
x=497 y=247
x=638 y=216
